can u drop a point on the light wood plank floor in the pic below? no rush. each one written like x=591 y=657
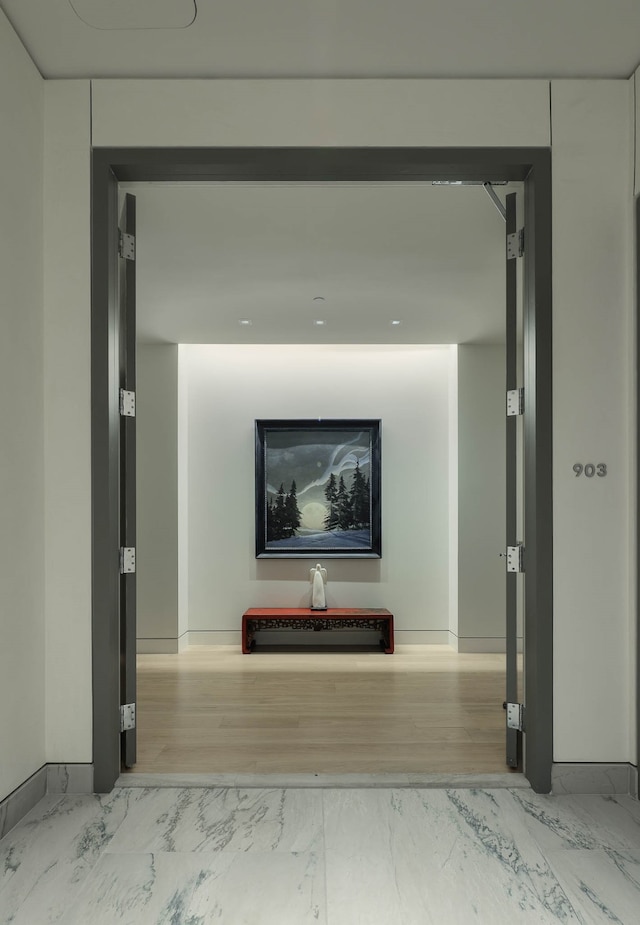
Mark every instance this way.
x=423 y=709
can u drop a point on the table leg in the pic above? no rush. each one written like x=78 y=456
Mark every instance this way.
x=247 y=636
x=388 y=636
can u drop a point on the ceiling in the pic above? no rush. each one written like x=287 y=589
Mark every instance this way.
x=283 y=256
x=430 y=257
x=329 y=38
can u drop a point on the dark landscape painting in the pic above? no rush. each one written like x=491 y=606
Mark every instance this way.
x=318 y=488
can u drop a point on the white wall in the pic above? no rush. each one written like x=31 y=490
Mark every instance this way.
x=320 y=112
x=67 y=368
x=591 y=252
x=481 y=497
x=474 y=419
x=407 y=387
x=157 y=497
x=592 y=400
x=22 y=645
x=205 y=113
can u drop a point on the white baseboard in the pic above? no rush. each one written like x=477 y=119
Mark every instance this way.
x=329 y=637
x=480 y=644
x=70 y=778
x=598 y=777
x=421 y=637
x=214 y=638
x=462 y=644
x=162 y=645
x=50 y=778
x=17 y=804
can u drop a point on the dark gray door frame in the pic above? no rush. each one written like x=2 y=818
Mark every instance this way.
x=512 y=579
x=397 y=164
x=128 y=425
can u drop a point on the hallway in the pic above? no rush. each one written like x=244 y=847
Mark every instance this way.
x=351 y=711
x=328 y=857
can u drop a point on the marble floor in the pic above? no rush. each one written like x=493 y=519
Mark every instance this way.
x=191 y=856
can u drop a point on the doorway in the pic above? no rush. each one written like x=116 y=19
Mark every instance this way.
x=227 y=311
x=339 y=165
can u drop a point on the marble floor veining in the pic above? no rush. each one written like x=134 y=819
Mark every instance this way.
x=376 y=856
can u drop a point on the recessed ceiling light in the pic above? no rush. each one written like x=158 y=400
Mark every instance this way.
x=245 y=322
x=319 y=322
x=318 y=298
x=395 y=323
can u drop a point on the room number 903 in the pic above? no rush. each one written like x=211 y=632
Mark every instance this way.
x=590 y=469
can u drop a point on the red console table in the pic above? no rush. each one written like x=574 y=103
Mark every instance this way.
x=260 y=618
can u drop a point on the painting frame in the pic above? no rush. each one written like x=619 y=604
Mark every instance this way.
x=341 y=514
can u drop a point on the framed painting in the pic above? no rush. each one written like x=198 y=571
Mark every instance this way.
x=318 y=489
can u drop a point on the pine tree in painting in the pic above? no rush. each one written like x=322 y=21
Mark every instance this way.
x=331 y=494
x=343 y=506
x=359 y=499
x=283 y=514
x=292 y=516
x=277 y=514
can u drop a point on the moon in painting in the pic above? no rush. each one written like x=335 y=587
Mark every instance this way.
x=313 y=515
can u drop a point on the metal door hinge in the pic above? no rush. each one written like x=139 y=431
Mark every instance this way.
x=127 y=717
x=515 y=716
x=515 y=402
x=515 y=244
x=126 y=245
x=127 y=560
x=515 y=558
x=127 y=404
